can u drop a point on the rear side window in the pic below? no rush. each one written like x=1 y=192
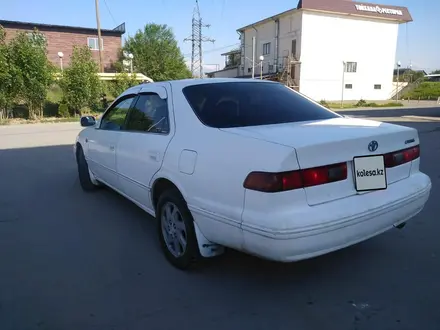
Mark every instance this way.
x=149 y=114
x=240 y=104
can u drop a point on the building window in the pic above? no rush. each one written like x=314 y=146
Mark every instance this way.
x=351 y=67
x=377 y=86
x=294 y=48
x=348 y=86
x=266 y=48
x=93 y=43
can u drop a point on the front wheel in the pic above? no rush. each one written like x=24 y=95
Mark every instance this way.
x=176 y=230
x=85 y=179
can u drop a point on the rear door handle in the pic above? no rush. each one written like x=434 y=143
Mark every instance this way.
x=155 y=155
x=112 y=148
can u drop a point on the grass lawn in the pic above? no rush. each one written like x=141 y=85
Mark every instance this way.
x=360 y=104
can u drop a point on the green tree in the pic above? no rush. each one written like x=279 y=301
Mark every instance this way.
x=156 y=53
x=80 y=83
x=233 y=59
x=6 y=84
x=31 y=70
x=122 y=82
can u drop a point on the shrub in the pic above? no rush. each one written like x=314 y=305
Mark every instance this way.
x=33 y=73
x=63 y=110
x=50 y=109
x=122 y=82
x=80 y=83
x=324 y=103
x=391 y=104
x=361 y=103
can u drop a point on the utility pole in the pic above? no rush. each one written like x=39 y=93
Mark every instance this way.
x=98 y=23
x=197 y=39
x=398 y=74
x=253 y=57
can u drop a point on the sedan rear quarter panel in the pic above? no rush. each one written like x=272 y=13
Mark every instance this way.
x=214 y=188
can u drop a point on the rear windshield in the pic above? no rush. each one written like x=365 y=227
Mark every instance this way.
x=240 y=104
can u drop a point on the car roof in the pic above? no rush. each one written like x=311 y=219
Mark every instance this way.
x=190 y=82
x=180 y=84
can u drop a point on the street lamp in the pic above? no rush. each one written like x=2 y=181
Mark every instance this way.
x=130 y=56
x=343 y=83
x=261 y=66
x=61 y=55
x=399 y=64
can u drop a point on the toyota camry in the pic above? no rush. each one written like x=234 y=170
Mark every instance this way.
x=252 y=166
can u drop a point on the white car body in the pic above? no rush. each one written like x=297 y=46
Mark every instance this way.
x=209 y=166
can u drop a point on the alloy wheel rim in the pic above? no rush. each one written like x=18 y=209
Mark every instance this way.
x=173 y=229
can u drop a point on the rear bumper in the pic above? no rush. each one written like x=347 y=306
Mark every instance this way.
x=337 y=224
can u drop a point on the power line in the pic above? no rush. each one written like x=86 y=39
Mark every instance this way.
x=197 y=39
x=223 y=8
x=215 y=49
x=247 y=46
x=109 y=11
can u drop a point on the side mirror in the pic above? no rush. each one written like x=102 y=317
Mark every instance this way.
x=88 y=121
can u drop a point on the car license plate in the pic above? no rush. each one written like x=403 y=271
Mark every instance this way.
x=369 y=173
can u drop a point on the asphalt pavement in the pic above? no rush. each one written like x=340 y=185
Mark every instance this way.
x=71 y=260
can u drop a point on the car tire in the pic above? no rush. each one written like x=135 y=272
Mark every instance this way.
x=83 y=172
x=177 y=230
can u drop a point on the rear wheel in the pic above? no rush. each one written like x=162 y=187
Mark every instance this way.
x=176 y=230
x=86 y=181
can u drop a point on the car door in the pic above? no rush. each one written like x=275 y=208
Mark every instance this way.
x=142 y=147
x=103 y=143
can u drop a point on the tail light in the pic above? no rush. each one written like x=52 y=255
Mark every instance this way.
x=400 y=157
x=284 y=181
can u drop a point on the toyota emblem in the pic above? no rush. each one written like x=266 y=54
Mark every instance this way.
x=373 y=145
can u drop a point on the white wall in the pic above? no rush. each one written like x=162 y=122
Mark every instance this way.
x=265 y=33
x=228 y=73
x=289 y=29
x=327 y=40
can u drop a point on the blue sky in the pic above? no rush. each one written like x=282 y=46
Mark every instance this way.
x=418 y=41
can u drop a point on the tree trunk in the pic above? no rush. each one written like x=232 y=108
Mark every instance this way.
x=32 y=114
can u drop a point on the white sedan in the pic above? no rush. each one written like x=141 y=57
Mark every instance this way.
x=253 y=166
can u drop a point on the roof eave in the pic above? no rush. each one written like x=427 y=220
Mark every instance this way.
x=231 y=52
x=42 y=26
x=268 y=19
x=225 y=69
x=392 y=19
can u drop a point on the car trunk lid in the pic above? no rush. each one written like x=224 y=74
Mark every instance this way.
x=332 y=141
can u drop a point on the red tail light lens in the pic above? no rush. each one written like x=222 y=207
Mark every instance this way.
x=284 y=181
x=401 y=157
